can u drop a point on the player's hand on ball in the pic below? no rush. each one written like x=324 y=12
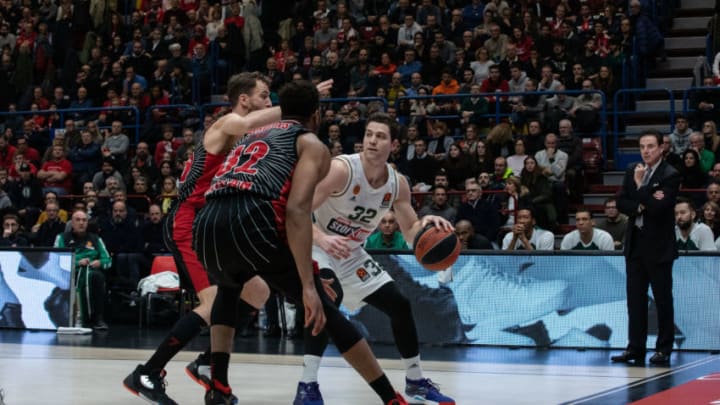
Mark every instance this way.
x=438 y=222
x=335 y=245
x=314 y=313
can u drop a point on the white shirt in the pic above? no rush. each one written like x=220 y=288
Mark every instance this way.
x=601 y=240
x=540 y=240
x=700 y=238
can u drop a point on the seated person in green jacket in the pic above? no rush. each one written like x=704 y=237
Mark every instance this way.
x=91 y=261
x=388 y=235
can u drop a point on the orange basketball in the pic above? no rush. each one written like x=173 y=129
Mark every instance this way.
x=436 y=249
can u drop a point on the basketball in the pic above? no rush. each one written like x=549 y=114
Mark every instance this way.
x=436 y=249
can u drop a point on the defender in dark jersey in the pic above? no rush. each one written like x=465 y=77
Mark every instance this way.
x=257 y=221
x=250 y=95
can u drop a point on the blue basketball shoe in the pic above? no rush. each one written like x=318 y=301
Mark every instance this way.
x=424 y=391
x=308 y=394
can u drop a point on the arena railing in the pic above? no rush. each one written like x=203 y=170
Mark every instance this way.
x=621 y=100
x=176 y=120
x=688 y=94
x=62 y=113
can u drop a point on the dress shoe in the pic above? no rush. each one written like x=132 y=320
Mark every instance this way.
x=628 y=357
x=660 y=359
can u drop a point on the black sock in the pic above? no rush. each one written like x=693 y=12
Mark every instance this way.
x=184 y=331
x=219 y=365
x=383 y=388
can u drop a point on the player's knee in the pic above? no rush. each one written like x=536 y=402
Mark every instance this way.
x=255 y=292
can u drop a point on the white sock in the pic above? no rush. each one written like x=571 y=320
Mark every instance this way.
x=413 y=371
x=311 y=365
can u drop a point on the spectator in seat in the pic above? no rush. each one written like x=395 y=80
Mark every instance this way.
x=56 y=174
x=439 y=142
x=439 y=205
x=706 y=102
x=468 y=238
x=689 y=234
x=495 y=84
x=499 y=141
x=107 y=169
x=116 y=145
x=153 y=232
x=86 y=159
x=614 y=223
x=711 y=138
x=168 y=144
x=141 y=188
x=168 y=193
x=707 y=158
x=458 y=166
x=43 y=235
x=526 y=236
x=26 y=195
x=557 y=108
x=496 y=45
x=668 y=154
x=91 y=261
x=7 y=152
x=586 y=109
x=125 y=243
x=713 y=192
x=710 y=216
x=29 y=153
x=483 y=214
x=421 y=167
x=714 y=173
x=13 y=233
x=553 y=164
x=516 y=161
x=534 y=140
x=527 y=107
x=537 y=192
x=693 y=176
x=571 y=144
x=143 y=160
x=388 y=235
x=680 y=137
x=586 y=236
x=81 y=102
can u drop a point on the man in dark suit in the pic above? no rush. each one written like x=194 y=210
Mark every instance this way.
x=648 y=198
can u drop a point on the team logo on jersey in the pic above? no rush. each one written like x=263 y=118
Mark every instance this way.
x=362 y=274
x=344 y=227
x=356 y=189
x=89 y=245
x=386 y=201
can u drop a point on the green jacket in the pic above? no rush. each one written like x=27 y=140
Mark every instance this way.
x=88 y=247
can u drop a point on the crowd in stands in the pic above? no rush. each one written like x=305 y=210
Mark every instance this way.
x=113 y=62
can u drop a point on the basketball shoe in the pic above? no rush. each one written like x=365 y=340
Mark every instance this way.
x=424 y=391
x=199 y=371
x=308 y=394
x=217 y=397
x=148 y=386
x=11 y=316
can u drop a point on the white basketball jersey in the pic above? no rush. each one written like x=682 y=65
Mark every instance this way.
x=356 y=211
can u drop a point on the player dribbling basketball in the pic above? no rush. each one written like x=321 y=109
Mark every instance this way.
x=348 y=205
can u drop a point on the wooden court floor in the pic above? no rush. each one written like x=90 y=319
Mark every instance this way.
x=42 y=368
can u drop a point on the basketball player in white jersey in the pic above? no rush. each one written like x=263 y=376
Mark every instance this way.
x=348 y=206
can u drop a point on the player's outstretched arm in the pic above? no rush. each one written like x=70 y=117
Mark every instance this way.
x=406 y=217
x=236 y=125
x=313 y=164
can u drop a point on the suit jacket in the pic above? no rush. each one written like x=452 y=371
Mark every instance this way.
x=658 y=216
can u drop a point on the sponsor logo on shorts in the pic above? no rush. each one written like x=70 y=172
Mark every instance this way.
x=362 y=274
